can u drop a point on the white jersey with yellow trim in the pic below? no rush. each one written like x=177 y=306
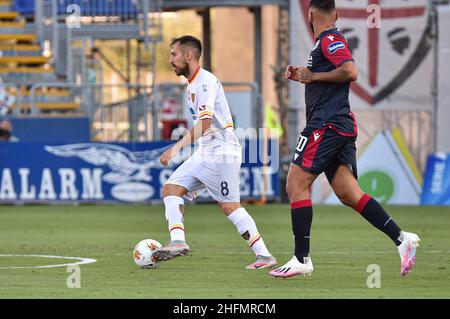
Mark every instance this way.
x=207 y=100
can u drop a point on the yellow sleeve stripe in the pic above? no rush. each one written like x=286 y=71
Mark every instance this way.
x=205 y=113
x=229 y=125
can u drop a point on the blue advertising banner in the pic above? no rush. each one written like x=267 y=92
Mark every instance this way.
x=101 y=172
x=436 y=187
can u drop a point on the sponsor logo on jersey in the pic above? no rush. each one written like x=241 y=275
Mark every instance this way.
x=335 y=46
x=205 y=88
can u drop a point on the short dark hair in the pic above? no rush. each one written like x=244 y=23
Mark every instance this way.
x=323 y=5
x=190 y=41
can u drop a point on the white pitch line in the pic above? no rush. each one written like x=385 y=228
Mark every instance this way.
x=82 y=261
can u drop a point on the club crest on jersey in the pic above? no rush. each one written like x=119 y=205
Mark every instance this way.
x=335 y=46
x=193 y=97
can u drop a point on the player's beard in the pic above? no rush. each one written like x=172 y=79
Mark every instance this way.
x=182 y=70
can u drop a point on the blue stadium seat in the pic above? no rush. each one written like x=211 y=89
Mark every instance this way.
x=103 y=8
x=24 y=7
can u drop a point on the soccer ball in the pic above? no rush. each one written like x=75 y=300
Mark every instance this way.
x=143 y=251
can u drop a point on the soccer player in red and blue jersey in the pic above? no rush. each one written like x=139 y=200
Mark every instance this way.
x=327 y=144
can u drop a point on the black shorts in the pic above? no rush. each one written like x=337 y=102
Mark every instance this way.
x=324 y=150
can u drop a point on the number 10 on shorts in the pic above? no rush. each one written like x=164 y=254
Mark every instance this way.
x=301 y=143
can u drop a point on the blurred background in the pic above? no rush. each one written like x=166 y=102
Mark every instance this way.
x=88 y=99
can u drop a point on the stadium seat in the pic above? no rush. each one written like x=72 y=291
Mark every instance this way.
x=9 y=15
x=55 y=106
x=11 y=25
x=18 y=37
x=20 y=49
x=24 y=60
x=46 y=99
x=24 y=70
x=5 y=5
x=101 y=8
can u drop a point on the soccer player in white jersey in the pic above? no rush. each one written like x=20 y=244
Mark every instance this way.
x=214 y=166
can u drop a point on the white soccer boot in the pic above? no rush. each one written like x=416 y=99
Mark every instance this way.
x=171 y=250
x=263 y=262
x=293 y=268
x=407 y=251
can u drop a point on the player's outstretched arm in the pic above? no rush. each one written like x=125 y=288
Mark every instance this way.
x=194 y=134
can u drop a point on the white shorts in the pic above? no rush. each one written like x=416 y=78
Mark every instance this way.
x=219 y=175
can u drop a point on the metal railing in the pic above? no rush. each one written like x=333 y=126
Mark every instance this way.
x=113 y=117
x=254 y=113
x=124 y=112
x=59 y=22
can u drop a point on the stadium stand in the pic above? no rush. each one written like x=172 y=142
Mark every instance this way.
x=103 y=8
x=44 y=72
x=22 y=62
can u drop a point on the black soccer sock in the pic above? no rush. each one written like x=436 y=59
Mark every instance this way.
x=372 y=211
x=301 y=213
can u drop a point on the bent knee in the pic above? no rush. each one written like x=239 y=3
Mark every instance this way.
x=297 y=190
x=173 y=190
x=229 y=208
x=348 y=199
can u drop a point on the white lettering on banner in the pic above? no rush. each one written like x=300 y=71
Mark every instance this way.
x=91 y=187
x=92 y=183
x=47 y=188
x=68 y=188
x=7 y=186
x=25 y=191
x=438 y=178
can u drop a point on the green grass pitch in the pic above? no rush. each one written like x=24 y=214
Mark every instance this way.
x=343 y=246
